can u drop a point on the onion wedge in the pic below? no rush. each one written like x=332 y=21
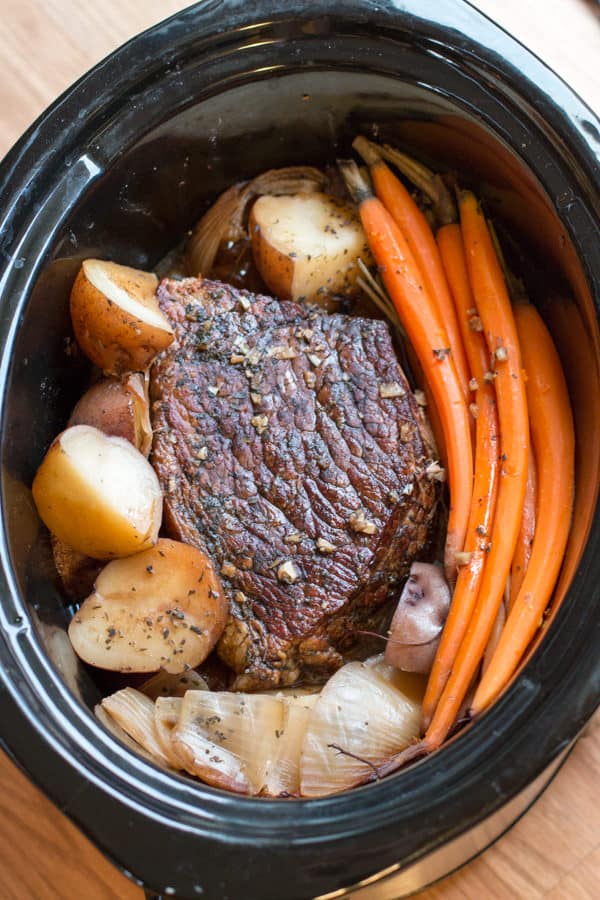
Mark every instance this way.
x=224 y=738
x=134 y=712
x=165 y=684
x=360 y=720
x=166 y=716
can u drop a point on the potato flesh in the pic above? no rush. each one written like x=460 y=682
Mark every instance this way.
x=131 y=289
x=307 y=246
x=163 y=608
x=116 y=317
x=98 y=494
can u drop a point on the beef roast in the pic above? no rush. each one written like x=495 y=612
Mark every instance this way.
x=290 y=448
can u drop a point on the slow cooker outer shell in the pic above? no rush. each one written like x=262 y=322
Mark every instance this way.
x=166 y=830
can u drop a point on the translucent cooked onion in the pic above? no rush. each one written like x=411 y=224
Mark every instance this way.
x=283 y=773
x=229 y=740
x=118 y=732
x=226 y=218
x=134 y=712
x=360 y=720
x=166 y=716
x=198 y=742
x=412 y=684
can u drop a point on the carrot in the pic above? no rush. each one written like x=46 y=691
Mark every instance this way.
x=419 y=236
x=526 y=534
x=421 y=320
x=485 y=483
x=452 y=254
x=493 y=640
x=553 y=440
x=494 y=309
x=470 y=573
x=429 y=183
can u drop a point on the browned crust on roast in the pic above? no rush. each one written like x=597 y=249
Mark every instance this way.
x=284 y=452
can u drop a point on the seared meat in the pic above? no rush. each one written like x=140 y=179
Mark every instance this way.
x=290 y=447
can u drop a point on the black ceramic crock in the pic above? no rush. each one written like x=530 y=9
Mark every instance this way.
x=120 y=167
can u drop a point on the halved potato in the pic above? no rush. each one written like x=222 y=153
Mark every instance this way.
x=118 y=406
x=98 y=494
x=76 y=571
x=116 y=317
x=163 y=608
x=307 y=246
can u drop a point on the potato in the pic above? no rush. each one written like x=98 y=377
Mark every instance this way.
x=118 y=406
x=98 y=494
x=116 y=317
x=76 y=571
x=162 y=608
x=307 y=246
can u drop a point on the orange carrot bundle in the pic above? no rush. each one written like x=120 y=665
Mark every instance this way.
x=554 y=446
x=495 y=312
x=419 y=236
x=421 y=321
x=485 y=484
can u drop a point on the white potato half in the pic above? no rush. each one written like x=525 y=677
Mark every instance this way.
x=116 y=317
x=307 y=246
x=98 y=494
x=163 y=608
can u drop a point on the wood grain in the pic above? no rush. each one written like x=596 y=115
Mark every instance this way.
x=554 y=851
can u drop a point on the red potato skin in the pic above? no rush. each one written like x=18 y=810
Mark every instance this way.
x=112 y=339
x=110 y=406
x=277 y=269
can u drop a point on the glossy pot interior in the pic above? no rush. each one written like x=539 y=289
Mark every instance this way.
x=120 y=168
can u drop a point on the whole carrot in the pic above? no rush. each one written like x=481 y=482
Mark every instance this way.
x=485 y=483
x=454 y=261
x=554 y=446
x=495 y=312
x=419 y=236
x=420 y=318
x=526 y=534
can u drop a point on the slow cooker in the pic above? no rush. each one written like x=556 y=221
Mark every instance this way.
x=120 y=167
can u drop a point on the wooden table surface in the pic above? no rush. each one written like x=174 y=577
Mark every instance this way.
x=554 y=852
